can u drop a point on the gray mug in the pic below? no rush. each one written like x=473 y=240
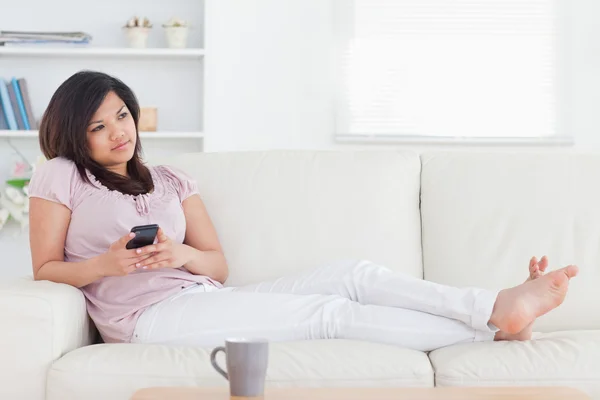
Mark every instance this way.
x=246 y=361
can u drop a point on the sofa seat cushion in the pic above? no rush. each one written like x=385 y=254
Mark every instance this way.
x=115 y=371
x=568 y=358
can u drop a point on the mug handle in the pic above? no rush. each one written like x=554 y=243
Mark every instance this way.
x=213 y=361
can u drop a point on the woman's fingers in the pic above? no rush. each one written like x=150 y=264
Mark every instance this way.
x=122 y=242
x=161 y=236
x=142 y=260
x=156 y=248
x=159 y=264
x=152 y=248
x=153 y=260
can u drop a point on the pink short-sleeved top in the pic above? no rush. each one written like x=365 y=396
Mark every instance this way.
x=99 y=217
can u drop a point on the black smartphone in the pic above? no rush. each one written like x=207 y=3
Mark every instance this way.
x=144 y=236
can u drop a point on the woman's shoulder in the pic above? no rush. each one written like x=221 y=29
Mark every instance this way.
x=171 y=171
x=57 y=165
x=177 y=179
x=56 y=180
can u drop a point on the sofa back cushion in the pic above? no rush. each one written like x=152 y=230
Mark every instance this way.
x=283 y=212
x=485 y=215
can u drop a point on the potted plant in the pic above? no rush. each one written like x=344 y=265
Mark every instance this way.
x=176 y=31
x=137 y=31
x=14 y=201
x=14 y=204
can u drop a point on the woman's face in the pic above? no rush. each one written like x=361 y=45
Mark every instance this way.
x=111 y=133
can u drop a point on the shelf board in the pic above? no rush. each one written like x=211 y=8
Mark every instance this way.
x=46 y=50
x=171 y=135
x=145 y=135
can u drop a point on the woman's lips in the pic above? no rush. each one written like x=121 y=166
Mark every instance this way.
x=121 y=146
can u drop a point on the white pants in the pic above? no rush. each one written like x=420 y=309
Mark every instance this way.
x=348 y=300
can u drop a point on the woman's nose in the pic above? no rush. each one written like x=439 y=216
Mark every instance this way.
x=116 y=134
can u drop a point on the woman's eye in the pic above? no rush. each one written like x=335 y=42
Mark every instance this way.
x=123 y=115
x=99 y=127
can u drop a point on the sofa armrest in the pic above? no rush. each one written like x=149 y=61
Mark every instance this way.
x=40 y=321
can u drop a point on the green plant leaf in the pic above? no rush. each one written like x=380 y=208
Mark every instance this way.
x=18 y=182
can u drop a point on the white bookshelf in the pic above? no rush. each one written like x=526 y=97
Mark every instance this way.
x=170 y=80
x=49 y=51
x=149 y=135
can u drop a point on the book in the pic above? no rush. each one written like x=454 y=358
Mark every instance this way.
x=46 y=35
x=20 y=104
x=23 y=37
x=47 y=43
x=27 y=101
x=15 y=106
x=7 y=107
x=3 y=122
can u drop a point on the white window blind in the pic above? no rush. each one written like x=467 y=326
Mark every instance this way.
x=446 y=68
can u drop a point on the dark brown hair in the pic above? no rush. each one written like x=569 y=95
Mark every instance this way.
x=63 y=129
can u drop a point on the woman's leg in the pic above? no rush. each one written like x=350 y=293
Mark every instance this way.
x=369 y=283
x=509 y=310
x=206 y=319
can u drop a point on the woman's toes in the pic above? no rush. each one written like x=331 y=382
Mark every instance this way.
x=534 y=272
x=532 y=262
x=543 y=264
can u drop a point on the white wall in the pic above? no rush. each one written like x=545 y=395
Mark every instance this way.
x=269 y=75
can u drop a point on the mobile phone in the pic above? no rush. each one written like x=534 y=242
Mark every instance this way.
x=144 y=236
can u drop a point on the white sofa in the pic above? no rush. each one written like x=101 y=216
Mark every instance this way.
x=457 y=218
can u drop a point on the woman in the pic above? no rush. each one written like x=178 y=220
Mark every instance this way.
x=95 y=188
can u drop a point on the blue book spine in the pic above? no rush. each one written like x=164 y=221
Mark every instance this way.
x=15 y=85
x=3 y=123
x=8 y=110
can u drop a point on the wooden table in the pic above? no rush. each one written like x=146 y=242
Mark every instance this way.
x=500 y=393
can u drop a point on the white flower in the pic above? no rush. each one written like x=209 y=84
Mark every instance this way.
x=4 y=214
x=174 y=21
x=138 y=22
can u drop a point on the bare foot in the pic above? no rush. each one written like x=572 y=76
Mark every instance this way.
x=536 y=269
x=516 y=308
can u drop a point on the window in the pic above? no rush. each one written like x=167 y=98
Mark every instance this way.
x=432 y=69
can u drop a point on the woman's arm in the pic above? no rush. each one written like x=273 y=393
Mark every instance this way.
x=207 y=254
x=48 y=224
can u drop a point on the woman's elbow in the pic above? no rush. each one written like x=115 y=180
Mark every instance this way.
x=223 y=272
x=37 y=274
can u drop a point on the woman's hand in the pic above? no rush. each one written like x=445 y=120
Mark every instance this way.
x=119 y=260
x=166 y=253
